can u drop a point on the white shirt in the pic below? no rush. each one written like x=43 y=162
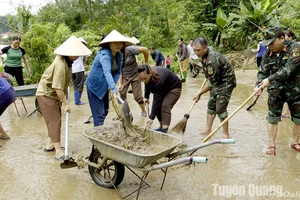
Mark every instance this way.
x=190 y=50
x=77 y=65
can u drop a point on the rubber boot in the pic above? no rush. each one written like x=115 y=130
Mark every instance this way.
x=184 y=75
x=77 y=96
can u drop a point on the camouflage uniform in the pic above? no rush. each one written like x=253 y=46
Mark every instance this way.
x=283 y=72
x=221 y=79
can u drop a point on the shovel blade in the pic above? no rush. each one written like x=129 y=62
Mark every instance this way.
x=127 y=114
x=68 y=164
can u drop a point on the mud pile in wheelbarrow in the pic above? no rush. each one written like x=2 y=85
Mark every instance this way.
x=129 y=139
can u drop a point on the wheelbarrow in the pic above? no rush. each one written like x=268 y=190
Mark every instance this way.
x=24 y=91
x=107 y=162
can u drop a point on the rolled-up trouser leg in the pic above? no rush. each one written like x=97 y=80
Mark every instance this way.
x=276 y=100
x=136 y=86
x=218 y=102
x=51 y=109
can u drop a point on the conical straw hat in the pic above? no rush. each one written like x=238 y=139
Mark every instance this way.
x=114 y=36
x=134 y=40
x=72 y=47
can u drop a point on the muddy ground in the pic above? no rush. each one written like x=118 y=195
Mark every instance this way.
x=238 y=171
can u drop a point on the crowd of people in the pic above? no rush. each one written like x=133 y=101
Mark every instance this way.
x=115 y=68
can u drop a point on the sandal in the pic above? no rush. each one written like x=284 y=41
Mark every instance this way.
x=271 y=150
x=293 y=146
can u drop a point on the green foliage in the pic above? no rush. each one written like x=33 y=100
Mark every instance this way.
x=24 y=18
x=62 y=33
x=39 y=43
x=291 y=17
x=226 y=24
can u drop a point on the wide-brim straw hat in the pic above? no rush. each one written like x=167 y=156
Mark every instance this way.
x=134 y=40
x=115 y=36
x=72 y=47
x=82 y=40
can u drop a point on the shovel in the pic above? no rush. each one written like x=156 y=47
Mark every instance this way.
x=253 y=103
x=148 y=110
x=126 y=111
x=68 y=162
x=227 y=119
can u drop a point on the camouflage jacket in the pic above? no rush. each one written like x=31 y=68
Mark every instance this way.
x=218 y=70
x=281 y=69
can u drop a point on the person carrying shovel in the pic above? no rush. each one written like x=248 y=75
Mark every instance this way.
x=52 y=89
x=221 y=82
x=280 y=72
x=104 y=74
x=166 y=89
x=183 y=59
x=130 y=74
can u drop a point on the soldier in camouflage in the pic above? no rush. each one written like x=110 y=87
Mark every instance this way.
x=280 y=73
x=221 y=82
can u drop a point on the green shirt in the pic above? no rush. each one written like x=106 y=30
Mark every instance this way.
x=14 y=56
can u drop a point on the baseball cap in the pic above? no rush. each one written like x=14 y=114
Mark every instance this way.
x=271 y=34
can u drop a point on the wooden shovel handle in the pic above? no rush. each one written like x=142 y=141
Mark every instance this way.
x=194 y=102
x=127 y=82
x=230 y=116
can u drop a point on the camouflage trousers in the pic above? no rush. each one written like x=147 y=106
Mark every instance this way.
x=218 y=101
x=275 y=103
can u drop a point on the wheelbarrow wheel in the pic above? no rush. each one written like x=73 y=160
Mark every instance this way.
x=110 y=175
x=195 y=72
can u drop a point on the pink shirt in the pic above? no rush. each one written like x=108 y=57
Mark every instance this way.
x=168 y=61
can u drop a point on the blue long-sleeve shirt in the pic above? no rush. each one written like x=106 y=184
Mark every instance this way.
x=100 y=77
x=158 y=57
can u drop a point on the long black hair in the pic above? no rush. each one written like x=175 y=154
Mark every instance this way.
x=149 y=70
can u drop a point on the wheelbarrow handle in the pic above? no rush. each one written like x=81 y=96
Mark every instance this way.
x=198 y=159
x=202 y=145
x=189 y=160
x=228 y=141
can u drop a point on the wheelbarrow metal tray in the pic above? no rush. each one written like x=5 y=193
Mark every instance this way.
x=25 y=90
x=163 y=144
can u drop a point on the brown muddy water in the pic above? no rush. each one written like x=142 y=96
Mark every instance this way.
x=236 y=171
